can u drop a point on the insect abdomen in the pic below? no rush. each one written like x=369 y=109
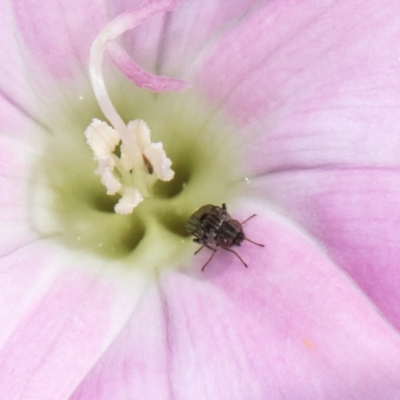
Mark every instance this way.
x=210 y=224
x=192 y=225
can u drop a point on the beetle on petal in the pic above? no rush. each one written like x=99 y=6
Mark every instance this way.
x=213 y=225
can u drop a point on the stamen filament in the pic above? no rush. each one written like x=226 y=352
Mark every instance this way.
x=139 y=156
x=124 y=22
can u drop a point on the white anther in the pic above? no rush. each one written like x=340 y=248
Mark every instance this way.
x=129 y=200
x=105 y=170
x=101 y=138
x=154 y=152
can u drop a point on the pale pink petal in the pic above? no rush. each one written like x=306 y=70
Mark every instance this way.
x=289 y=326
x=136 y=366
x=196 y=26
x=14 y=121
x=16 y=180
x=56 y=302
x=356 y=214
x=304 y=51
x=317 y=98
x=58 y=35
x=57 y=319
x=44 y=56
x=15 y=88
x=171 y=42
x=292 y=325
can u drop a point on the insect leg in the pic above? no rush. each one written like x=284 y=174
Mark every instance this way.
x=203 y=245
x=236 y=254
x=198 y=250
x=212 y=255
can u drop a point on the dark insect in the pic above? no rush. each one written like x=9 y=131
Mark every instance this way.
x=213 y=225
x=148 y=165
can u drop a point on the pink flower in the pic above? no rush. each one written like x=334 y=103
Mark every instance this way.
x=292 y=115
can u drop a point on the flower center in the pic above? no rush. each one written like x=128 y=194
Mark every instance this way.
x=135 y=209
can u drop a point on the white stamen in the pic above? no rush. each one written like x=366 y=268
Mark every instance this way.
x=101 y=138
x=105 y=170
x=103 y=141
x=161 y=163
x=129 y=200
x=130 y=175
x=154 y=152
x=126 y=159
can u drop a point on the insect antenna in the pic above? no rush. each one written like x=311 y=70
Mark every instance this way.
x=249 y=240
x=251 y=216
x=258 y=244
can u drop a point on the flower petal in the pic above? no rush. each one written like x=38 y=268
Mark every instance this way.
x=52 y=299
x=360 y=230
x=170 y=42
x=292 y=325
x=321 y=113
x=136 y=365
x=58 y=35
x=44 y=48
x=15 y=87
x=304 y=51
x=16 y=158
x=56 y=319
